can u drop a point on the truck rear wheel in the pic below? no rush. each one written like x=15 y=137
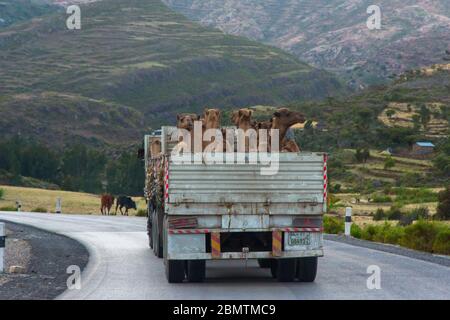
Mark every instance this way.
x=286 y=270
x=149 y=227
x=157 y=237
x=196 y=270
x=307 y=269
x=175 y=271
x=264 y=263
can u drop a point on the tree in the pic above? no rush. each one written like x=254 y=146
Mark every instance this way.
x=443 y=209
x=83 y=169
x=442 y=161
x=390 y=113
x=126 y=175
x=425 y=115
x=416 y=119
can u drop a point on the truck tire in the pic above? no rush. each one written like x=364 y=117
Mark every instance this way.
x=264 y=263
x=273 y=268
x=149 y=227
x=159 y=242
x=286 y=270
x=157 y=237
x=175 y=271
x=307 y=269
x=196 y=270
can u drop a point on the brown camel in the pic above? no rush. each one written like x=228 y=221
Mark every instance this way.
x=283 y=119
x=186 y=121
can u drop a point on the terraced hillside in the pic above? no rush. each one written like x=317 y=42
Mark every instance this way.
x=139 y=55
x=333 y=34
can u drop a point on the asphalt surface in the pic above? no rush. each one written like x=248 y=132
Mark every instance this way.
x=121 y=266
x=45 y=257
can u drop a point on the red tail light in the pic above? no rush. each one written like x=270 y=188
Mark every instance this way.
x=182 y=223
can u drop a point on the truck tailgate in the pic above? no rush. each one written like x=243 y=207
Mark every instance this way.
x=298 y=187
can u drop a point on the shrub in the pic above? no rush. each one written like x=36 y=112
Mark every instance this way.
x=415 y=214
x=443 y=209
x=389 y=163
x=393 y=235
x=356 y=231
x=333 y=225
x=421 y=195
x=442 y=242
x=40 y=210
x=2 y=193
x=379 y=215
x=8 y=208
x=369 y=232
x=421 y=235
x=381 y=199
x=406 y=220
x=394 y=214
x=380 y=232
x=141 y=213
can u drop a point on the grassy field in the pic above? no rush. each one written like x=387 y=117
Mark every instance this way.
x=72 y=202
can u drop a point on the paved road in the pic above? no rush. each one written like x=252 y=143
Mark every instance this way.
x=122 y=266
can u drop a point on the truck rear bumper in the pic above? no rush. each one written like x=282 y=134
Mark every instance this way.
x=243 y=256
x=273 y=244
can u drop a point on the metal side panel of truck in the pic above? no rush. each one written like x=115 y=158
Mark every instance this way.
x=232 y=211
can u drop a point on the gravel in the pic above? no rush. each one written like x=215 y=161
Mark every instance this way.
x=425 y=256
x=45 y=257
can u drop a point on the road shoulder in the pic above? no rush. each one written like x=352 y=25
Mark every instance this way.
x=44 y=256
x=425 y=256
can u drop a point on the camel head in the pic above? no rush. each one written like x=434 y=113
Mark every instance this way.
x=212 y=118
x=283 y=118
x=235 y=117
x=186 y=121
x=264 y=125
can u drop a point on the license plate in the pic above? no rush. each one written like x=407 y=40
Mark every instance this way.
x=299 y=239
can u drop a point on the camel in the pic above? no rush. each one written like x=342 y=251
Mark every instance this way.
x=211 y=120
x=186 y=121
x=245 y=123
x=282 y=120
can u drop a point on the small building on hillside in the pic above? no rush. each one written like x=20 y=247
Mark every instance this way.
x=423 y=148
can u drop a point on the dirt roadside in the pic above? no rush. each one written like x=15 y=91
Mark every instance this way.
x=44 y=256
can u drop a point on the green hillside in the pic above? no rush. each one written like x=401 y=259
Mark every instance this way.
x=13 y=11
x=357 y=120
x=139 y=54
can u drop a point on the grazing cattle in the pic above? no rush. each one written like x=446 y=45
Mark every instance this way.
x=107 y=201
x=125 y=202
x=283 y=119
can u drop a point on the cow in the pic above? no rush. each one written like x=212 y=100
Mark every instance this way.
x=125 y=202
x=107 y=202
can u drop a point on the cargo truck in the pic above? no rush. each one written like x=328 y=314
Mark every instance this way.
x=199 y=212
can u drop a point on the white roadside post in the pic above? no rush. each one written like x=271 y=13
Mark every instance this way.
x=348 y=220
x=2 y=246
x=18 y=206
x=58 y=205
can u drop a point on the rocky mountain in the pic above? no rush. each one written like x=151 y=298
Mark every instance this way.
x=13 y=11
x=135 y=64
x=333 y=34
